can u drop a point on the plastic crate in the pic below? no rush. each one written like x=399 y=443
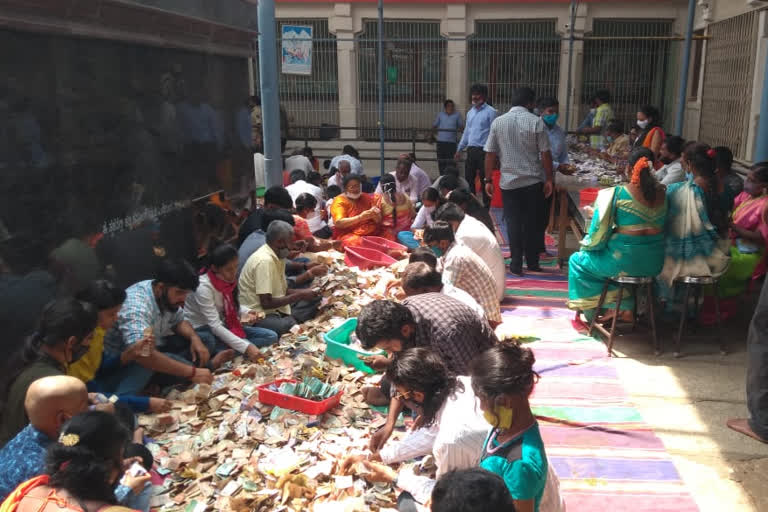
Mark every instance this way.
x=295 y=403
x=364 y=258
x=382 y=244
x=337 y=346
x=587 y=196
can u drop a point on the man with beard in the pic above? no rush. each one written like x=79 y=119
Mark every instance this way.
x=152 y=314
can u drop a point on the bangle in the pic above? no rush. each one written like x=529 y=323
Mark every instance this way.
x=194 y=372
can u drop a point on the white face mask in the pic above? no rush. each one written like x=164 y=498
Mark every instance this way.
x=429 y=209
x=642 y=124
x=592 y=110
x=352 y=196
x=313 y=214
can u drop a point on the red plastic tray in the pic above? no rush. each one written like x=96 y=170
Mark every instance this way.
x=296 y=403
x=382 y=244
x=587 y=196
x=365 y=258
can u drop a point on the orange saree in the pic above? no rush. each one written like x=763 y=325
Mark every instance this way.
x=344 y=208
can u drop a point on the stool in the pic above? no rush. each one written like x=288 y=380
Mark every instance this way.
x=697 y=282
x=632 y=283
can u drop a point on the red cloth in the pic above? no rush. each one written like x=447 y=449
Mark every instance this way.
x=231 y=314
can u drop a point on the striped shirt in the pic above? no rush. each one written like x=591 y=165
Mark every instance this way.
x=464 y=269
x=519 y=138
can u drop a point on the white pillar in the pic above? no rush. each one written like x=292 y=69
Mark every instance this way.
x=341 y=24
x=580 y=27
x=454 y=27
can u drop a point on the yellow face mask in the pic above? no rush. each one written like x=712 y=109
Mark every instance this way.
x=501 y=417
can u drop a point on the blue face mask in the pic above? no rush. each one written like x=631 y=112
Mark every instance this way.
x=689 y=176
x=437 y=250
x=550 y=119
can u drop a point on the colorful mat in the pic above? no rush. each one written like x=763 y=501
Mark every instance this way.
x=607 y=458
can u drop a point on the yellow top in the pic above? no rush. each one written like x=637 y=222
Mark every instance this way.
x=263 y=273
x=86 y=367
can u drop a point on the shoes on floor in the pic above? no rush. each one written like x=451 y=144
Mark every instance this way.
x=516 y=271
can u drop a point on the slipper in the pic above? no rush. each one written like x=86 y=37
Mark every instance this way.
x=741 y=426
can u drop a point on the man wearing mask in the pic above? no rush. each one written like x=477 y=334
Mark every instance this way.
x=479 y=119
x=520 y=140
x=549 y=109
x=152 y=313
x=670 y=153
x=264 y=288
x=603 y=114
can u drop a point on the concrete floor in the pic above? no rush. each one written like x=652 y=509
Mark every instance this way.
x=687 y=401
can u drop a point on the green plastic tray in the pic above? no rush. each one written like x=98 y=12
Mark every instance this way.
x=337 y=346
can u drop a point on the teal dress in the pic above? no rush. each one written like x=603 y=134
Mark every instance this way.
x=520 y=462
x=606 y=253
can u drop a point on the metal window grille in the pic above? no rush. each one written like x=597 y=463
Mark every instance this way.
x=509 y=54
x=309 y=100
x=727 y=90
x=414 y=89
x=634 y=60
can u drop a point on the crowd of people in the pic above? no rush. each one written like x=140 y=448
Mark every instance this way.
x=102 y=354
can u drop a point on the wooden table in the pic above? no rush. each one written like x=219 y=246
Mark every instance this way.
x=564 y=222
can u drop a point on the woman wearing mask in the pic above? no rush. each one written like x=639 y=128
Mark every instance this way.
x=651 y=135
x=503 y=379
x=625 y=237
x=62 y=337
x=430 y=201
x=85 y=471
x=355 y=214
x=446 y=426
x=215 y=311
x=397 y=211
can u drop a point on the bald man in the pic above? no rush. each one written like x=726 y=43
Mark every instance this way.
x=49 y=403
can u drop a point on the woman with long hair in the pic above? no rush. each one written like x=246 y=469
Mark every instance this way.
x=397 y=212
x=651 y=134
x=82 y=470
x=503 y=379
x=215 y=312
x=62 y=337
x=626 y=237
x=695 y=237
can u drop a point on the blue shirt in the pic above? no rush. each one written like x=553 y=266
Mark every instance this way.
x=22 y=458
x=251 y=244
x=478 y=125
x=447 y=125
x=557 y=146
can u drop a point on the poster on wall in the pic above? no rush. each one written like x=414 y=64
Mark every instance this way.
x=296 y=50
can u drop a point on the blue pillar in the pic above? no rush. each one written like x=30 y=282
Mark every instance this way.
x=270 y=97
x=761 y=150
x=682 y=94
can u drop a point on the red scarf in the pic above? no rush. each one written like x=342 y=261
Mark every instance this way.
x=231 y=314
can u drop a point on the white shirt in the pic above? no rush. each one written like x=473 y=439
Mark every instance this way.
x=409 y=187
x=423 y=218
x=298 y=162
x=337 y=180
x=671 y=173
x=355 y=166
x=475 y=235
x=206 y=307
x=455 y=440
x=422 y=178
x=302 y=187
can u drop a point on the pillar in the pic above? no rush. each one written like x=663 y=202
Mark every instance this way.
x=577 y=66
x=341 y=24
x=454 y=27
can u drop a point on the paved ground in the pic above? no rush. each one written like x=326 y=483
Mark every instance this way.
x=687 y=401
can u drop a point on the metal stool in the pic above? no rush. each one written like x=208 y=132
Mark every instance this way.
x=697 y=282
x=633 y=283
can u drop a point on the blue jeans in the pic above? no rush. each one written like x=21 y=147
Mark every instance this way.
x=256 y=335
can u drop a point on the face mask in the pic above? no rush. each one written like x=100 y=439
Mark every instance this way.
x=437 y=251
x=642 y=124
x=689 y=176
x=609 y=138
x=592 y=111
x=78 y=353
x=429 y=209
x=352 y=196
x=550 y=119
x=502 y=415
x=283 y=253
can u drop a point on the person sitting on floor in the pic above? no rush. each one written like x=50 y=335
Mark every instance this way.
x=109 y=299
x=50 y=402
x=153 y=314
x=406 y=183
x=258 y=238
x=264 y=287
x=695 y=235
x=341 y=174
x=475 y=235
x=274 y=198
x=355 y=214
x=306 y=213
x=298 y=188
x=471 y=490
x=430 y=202
x=350 y=155
x=626 y=237
x=61 y=338
x=463 y=268
x=503 y=379
x=670 y=154
x=82 y=470
x=433 y=320
x=460 y=182
x=397 y=211
x=421 y=276
x=215 y=312
x=446 y=425
x=472 y=207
